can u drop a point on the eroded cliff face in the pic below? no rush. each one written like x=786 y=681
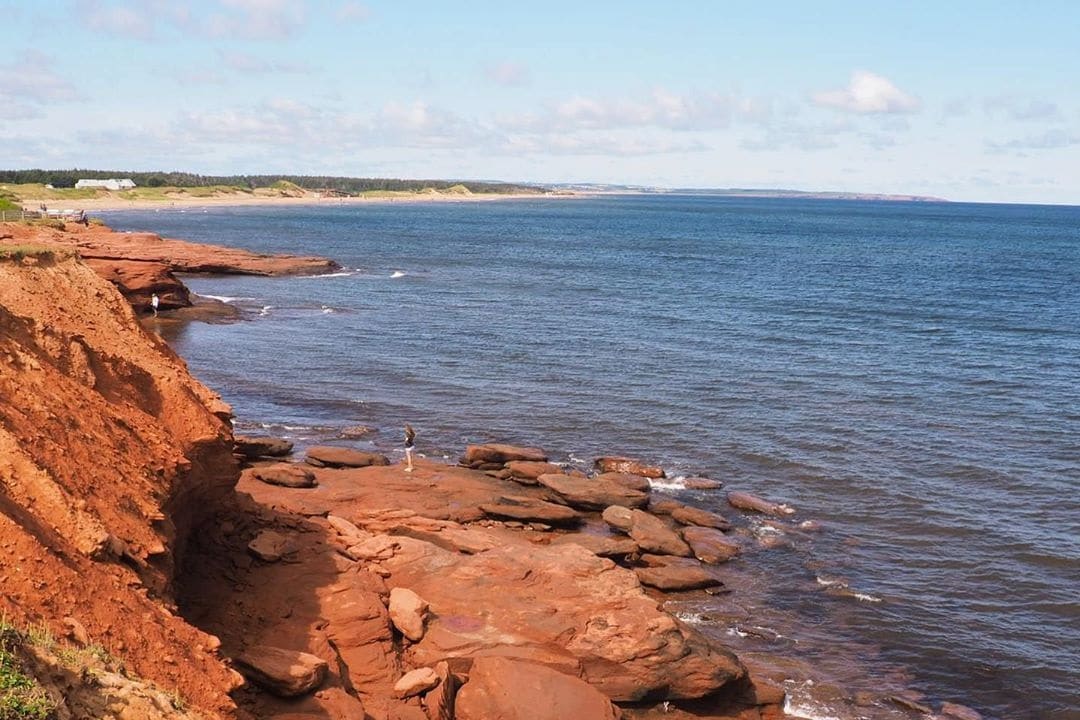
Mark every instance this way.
x=110 y=455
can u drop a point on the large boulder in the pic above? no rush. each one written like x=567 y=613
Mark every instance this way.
x=701 y=483
x=627 y=480
x=285 y=475
x=710 y=545
x=618 y=517
x=602 y=545
x=654 y=536
x=526 y=471
x=408 y=612
x=560 y=606
x=527 y=509
x=271 y=545
x=283 y=672
x=628 y=465
x=674 y=574
x=336 y=457
x=593 y=493
x=516 y=690
x=254 y=446
x=746 y=501
x=499 y=454
x=687 y=515
x=416 y=682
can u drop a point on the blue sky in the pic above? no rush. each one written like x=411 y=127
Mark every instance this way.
x=963 y=100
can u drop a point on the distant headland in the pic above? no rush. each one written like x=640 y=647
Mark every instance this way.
x=743 y=192
x=60 y=192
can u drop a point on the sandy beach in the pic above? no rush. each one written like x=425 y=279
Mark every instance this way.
x=245 y=200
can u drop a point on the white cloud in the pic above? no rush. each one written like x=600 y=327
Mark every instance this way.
x=254 y=65
x=509 y=74
x=419 y=124
x=868 y=94
x=29 y=83
x=1053 y=139
x=145 y=19
x=660 y=109
x=256 y=19
x=1015 y=108
x=123 y=20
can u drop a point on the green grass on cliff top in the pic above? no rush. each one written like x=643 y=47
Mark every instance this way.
x=21 y=697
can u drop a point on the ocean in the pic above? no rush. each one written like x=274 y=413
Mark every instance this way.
x=905 y=374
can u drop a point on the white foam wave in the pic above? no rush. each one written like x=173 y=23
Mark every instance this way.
x=266 y=310
x=867 y=598
x=343 y=273
x=672 y=483
x=690 y=618
x=226 y=298
x=397 y=274
x=807 y=709
x=737 y=632
x=327 y=309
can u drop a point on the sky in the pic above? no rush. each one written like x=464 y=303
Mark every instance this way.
x=973 y=101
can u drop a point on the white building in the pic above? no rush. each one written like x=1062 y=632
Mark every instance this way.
x=110 y=184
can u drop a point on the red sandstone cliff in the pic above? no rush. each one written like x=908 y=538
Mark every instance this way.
x=142 y=264
x=109 y=452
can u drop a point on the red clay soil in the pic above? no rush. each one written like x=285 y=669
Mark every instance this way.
x=109 y=454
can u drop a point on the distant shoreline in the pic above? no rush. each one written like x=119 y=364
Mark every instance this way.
x=242 y=200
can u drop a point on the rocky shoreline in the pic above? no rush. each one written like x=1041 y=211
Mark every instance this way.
x=341 y=586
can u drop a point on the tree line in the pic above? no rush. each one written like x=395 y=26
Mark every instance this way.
x=351 y=185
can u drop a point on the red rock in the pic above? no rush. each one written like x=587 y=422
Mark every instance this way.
x=709 y=545
x=674 y=574
x=138 y=281
x=271 y=546
x=520 y=507
x=285 y=475
x=746 y=501
x=99 y=243
x=628 y=465
x=959 y=712
x=564 y=607
x=700 y=483
x=408 y=612
x=283 y=672
x=416 y=682
x=660 y=505
x=526 y=471
x=687 y=515
x=253 y=446
x=516 y=690
x=498 y=454
x=329 y=456
x=439 y=703
x=654 y=536
x=619 y=517
x=602 y=545
x=592 y=493
x=627 y=480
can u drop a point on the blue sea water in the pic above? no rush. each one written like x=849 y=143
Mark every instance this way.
x=906 y=374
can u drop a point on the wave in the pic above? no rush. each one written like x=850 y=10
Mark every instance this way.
x=674 y=483
x=397 y=274
x=226 y=298
x=343 y=273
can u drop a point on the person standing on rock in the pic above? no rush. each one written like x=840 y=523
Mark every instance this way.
x=154 y=302
x=410 y=440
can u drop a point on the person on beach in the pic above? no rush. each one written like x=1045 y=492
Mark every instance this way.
x=154 y=302
x=410 y=440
